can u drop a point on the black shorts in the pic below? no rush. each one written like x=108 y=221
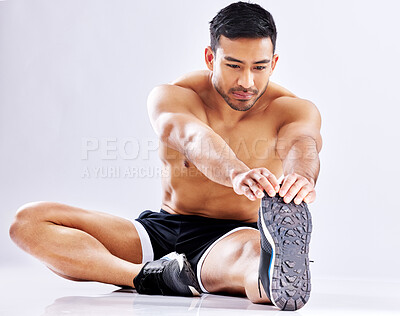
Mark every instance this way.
x=189 y=234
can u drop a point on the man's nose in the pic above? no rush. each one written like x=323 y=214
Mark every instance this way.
x=246 y=79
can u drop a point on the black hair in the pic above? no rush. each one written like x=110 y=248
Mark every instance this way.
x=242 y=20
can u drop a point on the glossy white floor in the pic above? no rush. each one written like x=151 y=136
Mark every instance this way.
x=34 y=290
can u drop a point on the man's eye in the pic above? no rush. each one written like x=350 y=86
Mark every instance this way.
x=261 y=67
x=232 y=65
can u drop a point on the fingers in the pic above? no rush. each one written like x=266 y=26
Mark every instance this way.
x=255 y=191
x=310 y=197
x=271 y=178
x=265 y=182
x=301 y=195
x=248 y=193
x=294 y=190
x=287 y=184
x=298 y=188
x=248 y=188
x=253 y=182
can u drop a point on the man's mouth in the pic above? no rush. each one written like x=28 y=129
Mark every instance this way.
x=242 y=95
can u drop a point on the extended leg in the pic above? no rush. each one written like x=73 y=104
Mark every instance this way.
x=236 y=264
x=232 y=266
x=79 y=244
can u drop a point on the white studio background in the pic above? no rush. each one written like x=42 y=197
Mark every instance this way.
x=75 y=75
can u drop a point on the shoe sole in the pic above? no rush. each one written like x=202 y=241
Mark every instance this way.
x=287 y=228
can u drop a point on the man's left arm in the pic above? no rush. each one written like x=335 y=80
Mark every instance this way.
x=299 y=142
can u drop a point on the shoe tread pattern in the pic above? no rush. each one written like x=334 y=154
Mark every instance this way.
x=290 y=227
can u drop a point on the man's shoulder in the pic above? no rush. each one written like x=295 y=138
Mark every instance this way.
x=180 y=96
x=292 y=104
x=186 y=87
x=196 y=81
x=289 y=106
x=285 y=108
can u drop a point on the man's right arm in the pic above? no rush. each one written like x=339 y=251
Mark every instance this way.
x=179 y=120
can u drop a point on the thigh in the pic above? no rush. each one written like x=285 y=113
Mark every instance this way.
x=228 y=262
x=117 y=234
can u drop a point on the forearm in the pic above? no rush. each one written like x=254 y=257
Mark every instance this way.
x=302 y=158
x=200 y=145
x=213 y=157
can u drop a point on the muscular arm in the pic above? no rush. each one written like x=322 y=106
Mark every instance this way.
x=179 y=119
x=298 y=145
x=302 y=158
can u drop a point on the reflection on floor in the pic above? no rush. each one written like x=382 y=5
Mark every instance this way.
x=36 y=291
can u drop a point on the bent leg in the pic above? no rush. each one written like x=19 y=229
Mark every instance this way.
x=79 y=244
x=231 y=266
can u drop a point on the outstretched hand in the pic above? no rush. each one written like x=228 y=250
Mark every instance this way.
x=252 y=183
x=298 y=187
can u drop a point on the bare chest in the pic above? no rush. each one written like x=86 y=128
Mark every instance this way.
x=253 y=141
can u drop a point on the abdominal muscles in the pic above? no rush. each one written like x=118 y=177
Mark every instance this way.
x=188 y=192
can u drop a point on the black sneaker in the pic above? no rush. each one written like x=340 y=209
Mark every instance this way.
x=284 y=265
x=170 y=275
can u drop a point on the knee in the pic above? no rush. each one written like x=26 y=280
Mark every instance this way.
x=27 y=216
x=251 y=250
x=245 y=259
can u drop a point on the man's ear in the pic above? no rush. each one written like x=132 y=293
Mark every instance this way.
x=209 y=57
x=273 y=62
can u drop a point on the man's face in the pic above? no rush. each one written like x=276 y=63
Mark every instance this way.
x=241 y=70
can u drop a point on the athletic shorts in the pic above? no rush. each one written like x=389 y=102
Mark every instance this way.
x=161 y=233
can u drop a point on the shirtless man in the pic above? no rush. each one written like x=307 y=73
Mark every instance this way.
x=226 y=135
